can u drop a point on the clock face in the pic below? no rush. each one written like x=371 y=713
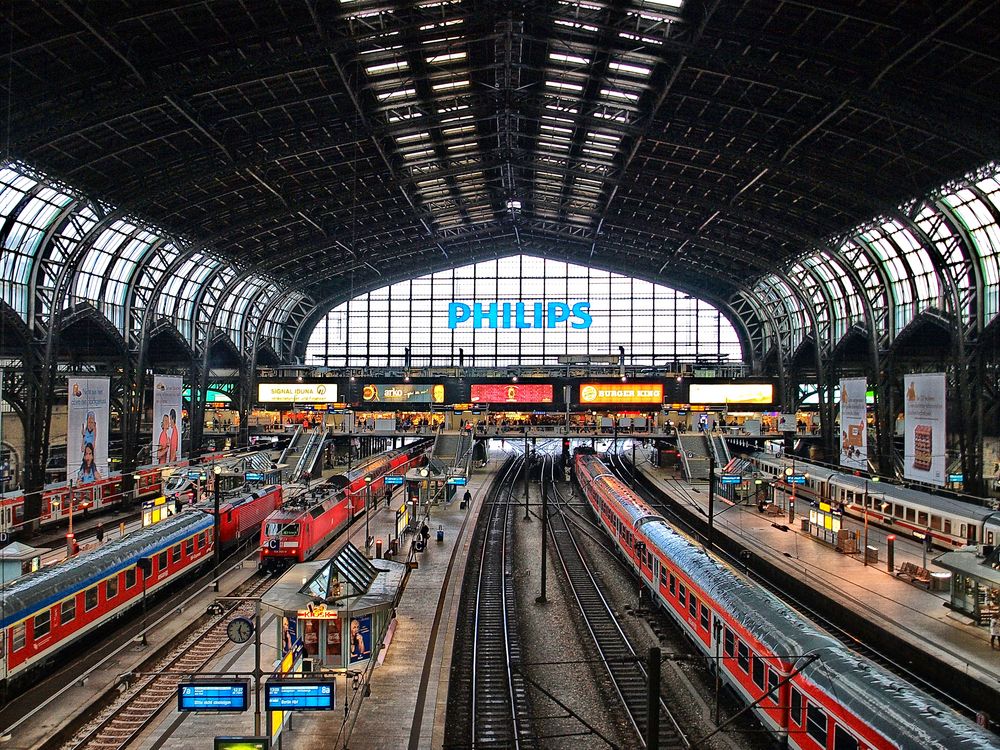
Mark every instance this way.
x=239 y=630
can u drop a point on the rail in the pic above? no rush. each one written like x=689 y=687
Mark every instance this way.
x=625 y=668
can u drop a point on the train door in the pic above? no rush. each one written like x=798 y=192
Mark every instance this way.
x=7 y=519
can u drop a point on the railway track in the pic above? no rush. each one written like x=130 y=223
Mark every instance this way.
x=488 y=697
x=123 y=721
x=626 y=669
x=638 y=484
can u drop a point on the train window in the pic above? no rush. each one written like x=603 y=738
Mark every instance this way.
x=936 y=523
x=90 y=599
x=693 y=606
x=43 y=624
x=663 y=576
x=947 y=526
x=111 y=588
x=728 y=642
x=911 y=515
x=758 y=672
x=161 y=561
x=17 y=637
x=682 y=596
x=816 y=720
x=673 y=585
x=796 y=707
x=772 y=685
x=176 y=553
x=922 y=518
x=898 y=511
x=130 y=576
x=842 y=740
x=67 y=611
x=743 y=656
x=704 y=616
x=189 y=546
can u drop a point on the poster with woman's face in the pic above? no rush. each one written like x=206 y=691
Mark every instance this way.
x=87 y=429
x=168 y=394
x=360 y=638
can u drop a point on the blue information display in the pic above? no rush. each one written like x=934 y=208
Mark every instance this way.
x=457 y=480
x=194 y=475
x=299 y=695
x=393 y=479
x=253 y=477
x=730 y=479
x=795 y=478
x=230 y=695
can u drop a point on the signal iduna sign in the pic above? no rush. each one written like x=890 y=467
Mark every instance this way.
x=299 y=393
x=621 y=393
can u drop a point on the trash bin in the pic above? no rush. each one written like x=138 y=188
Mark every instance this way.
x=871 y=555
x=804 y=525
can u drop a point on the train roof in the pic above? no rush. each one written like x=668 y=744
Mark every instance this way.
x=889 y=490
x=52 y=584
x=899 y=711
x=236 y=501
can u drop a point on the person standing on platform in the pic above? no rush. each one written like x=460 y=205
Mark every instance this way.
x=994 y=630
x=425 y=532
x=100 y=533
x=467 y=498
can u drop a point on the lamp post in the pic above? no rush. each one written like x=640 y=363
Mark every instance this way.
x=368 y=503
x=873 y=479
x=424 y=473
x=217 y=471
x=789 y=471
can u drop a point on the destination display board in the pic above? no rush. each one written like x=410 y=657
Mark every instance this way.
x=408 y=393
x=730 y=479
x=731 y=393
x=393 y=479
x=213 y=695
x=242 y=743
x=621 y=393
x=299 y=695
x=511 y=393
x=299 y=393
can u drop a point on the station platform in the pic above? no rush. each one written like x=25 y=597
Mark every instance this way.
x=409 y=689
x=911 y=613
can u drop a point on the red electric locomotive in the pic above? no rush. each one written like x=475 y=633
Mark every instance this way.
x=297 y=532
x=241 y=515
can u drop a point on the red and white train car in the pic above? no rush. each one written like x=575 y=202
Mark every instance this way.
x=46 y=611
x=813 y=692
x=241 y=515
x=297 y=532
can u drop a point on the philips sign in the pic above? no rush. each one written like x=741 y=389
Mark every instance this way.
x=520 y=315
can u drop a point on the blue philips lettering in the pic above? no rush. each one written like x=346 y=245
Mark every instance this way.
x=477 y=315
x=558 y=312
x=457 y=313
x=582 y=311
x=519 y=321
x=539 y=315
x=506 y=315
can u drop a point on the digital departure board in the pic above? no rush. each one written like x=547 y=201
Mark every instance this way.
x=392 y=479
x=299 y=695
x=214 y=695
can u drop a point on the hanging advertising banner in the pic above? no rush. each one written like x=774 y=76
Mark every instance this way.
x=87 y=429
x=924 y=455
x=621 y=393
x=299 y=393
x=853 y=423
x=731 y=393
x=403 y=393
x=511 y=393
x=167 y=421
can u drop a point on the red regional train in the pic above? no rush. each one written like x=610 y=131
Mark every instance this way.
x=295 y=533
x=241 y=516
x=806 y=687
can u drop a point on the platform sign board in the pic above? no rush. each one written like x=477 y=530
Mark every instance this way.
x=167 y=410
x=457 y=480
x=253 y=476
x=853 y=423
x=924 y=455
x=299 y=695
x=393 y=479
x=242 y=743
x=730 y=479
x=214 y=695
x=795 y=478
x=511 y=393
x=87 y=429
x=956 y=478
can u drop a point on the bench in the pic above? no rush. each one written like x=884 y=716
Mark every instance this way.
x=914 y=574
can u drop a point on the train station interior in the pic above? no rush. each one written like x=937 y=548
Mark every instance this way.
x=479 y=374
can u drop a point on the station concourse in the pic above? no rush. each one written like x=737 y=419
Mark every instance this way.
x=463 y=373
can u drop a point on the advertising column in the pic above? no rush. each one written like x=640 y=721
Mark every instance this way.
x=924 y=456
x=853 y=423
x=87 y=429
x=167 y=421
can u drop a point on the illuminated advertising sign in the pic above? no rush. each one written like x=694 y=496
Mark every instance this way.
x=520 y=314
x=405 y=393
x=731 y=393
x=242 y=743
x=299 y=393
x=621 y=393
x=512 y=393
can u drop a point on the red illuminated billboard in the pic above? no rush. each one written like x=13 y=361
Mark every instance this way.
x=512 y=393
x=621 y=393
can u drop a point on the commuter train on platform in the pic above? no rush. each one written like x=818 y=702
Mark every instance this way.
x=48 y=610
x=814 y=693
x=296 y=532
x=949 y=523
